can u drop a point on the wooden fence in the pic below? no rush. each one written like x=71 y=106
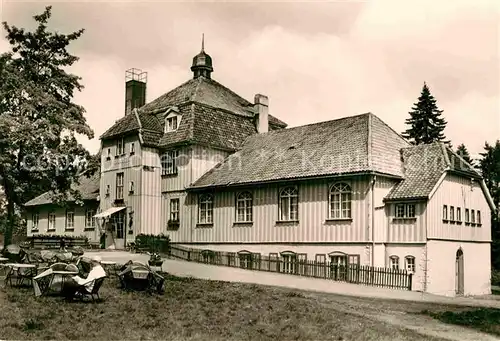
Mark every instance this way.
x=349 y=273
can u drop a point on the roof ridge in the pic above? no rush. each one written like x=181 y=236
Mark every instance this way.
x=388 y=126
x=369 y=140
x=231 y=91
x=445 y=154
x=316 y=123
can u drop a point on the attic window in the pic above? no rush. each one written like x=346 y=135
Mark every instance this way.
x=172 y=122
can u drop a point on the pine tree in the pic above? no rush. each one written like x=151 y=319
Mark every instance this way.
x=38 y=118
x=426 y=121
x=464 y=154
x=489 y=165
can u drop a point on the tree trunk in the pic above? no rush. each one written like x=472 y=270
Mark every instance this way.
x=10 y=222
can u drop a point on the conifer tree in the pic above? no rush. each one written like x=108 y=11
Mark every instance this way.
x=464 y=154
x=426 y=121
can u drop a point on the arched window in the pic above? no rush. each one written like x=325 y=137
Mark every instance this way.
x=410 y=263
x=288 y=262
x=340 y=201
x=244 y=202
x=206 y=209
x=394 y=262
x=289 y=204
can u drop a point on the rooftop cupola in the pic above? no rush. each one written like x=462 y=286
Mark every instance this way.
x=202 y=63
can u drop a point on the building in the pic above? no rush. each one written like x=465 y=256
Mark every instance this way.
x=74 y=218
x=215 y=171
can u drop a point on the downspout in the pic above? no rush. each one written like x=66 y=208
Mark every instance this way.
x=373 y=218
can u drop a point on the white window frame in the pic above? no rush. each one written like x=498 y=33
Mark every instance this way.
x=120 y=179
x=445 y=212
x=394 y=262
x=472 y=217
x=131 y=187
x=120 y=146
x=289 y=262
x=452 y=213
x=458 y=216
x=410 y=263
x=108 y=190
x=132 y=148
x=35 y=220
x=244 y=207
x=404 y=211
x=169 y=162
x=478 y=217
x=289 y=199
x=206 y=209
x=174 y=209
x=70 y=219
x=170 y=120
x=340 y=201
x=89 y=219
x=467 y=216
x=51 y=221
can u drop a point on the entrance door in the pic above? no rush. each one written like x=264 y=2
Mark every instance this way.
x=459 y=273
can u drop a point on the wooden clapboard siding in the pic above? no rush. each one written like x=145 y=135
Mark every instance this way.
x=183 y=234
x=203 y=159
x=383 y=186
x=123 y=161
x=150 y=213
x=79 y=226
x=182 y=179
x=313 y=225
x=458 y=191
x=406 y=230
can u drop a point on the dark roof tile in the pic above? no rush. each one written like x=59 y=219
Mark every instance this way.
x=326 y=148
x=88 y=188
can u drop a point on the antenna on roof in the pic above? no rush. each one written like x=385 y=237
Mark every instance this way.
x=203 y=42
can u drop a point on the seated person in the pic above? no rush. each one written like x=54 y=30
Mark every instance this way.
x=72 y=285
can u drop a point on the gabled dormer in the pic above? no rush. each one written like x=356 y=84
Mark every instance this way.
x=172 y=119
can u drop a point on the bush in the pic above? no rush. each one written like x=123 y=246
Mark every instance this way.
x=495 y=277
x=153 y=243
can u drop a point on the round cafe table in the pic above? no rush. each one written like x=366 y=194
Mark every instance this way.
x=109 y=267
x=20 y=272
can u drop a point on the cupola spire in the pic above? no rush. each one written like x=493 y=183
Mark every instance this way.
x=202 y=62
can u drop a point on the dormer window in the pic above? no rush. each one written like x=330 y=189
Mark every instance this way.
x=172 y=121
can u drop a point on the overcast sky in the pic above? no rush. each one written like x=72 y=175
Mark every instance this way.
x=315 y=61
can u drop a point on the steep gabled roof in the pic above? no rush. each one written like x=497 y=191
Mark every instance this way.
x=88 y=188
x=424 y=165
x=209 y=126
x=202 y=91
x=361 y=143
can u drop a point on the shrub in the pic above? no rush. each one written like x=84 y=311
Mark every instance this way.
x=152 y=243
x=495 y=277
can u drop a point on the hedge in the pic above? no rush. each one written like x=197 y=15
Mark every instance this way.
x=153 y=243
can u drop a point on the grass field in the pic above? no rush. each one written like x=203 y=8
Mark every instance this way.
x=193 y=309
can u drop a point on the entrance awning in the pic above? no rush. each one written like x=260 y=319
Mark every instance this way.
x=109 y=212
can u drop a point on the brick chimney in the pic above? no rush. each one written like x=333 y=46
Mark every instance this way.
x=135 y=89
x=261 y=107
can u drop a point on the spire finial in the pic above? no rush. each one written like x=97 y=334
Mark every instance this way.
x=203 y=42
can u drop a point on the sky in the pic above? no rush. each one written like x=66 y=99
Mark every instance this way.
x=316 y=61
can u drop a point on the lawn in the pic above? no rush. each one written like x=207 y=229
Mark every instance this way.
x=484 y=319
x=192 y=309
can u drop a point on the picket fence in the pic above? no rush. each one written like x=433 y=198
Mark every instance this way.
x=349 y=273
